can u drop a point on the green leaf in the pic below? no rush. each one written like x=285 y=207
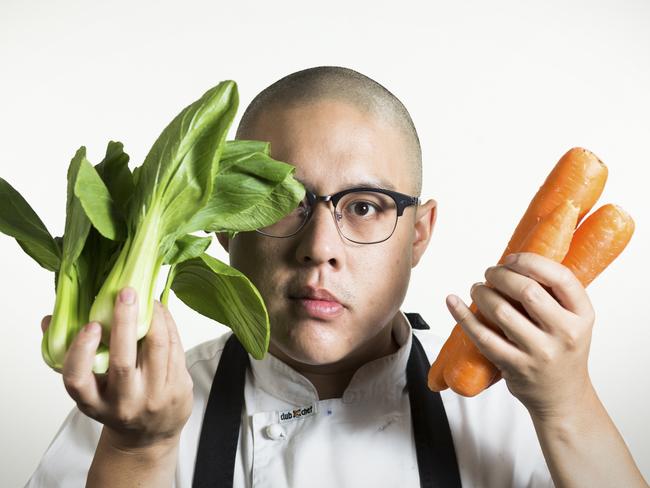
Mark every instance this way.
x=98 y=203
x=18 y=220
x=98 y=256
x=136 y=175
x=164 y=295
x=238 y=148
x=187 y=247
x=77 y=224
x=178 y=172
x=73 y=297
x=253 y=192
x=115 y=173
x=59 y=244
x=239 y=151
x=224 y=294
x=66 y=320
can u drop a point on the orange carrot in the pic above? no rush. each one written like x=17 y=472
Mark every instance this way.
x=594 y=245
x=551 y=237
x=578 y=176
x=467 y=371
x=436 y=377
x=598 y=241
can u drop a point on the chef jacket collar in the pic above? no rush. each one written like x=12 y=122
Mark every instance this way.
x=380 y=380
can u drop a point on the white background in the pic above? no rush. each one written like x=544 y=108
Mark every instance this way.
x=498 y=91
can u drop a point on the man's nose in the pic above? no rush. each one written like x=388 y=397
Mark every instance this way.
x=320 y=241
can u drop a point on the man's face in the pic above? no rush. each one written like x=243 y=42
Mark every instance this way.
x=334 y=146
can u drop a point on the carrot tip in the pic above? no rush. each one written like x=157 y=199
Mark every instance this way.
x=622 y=211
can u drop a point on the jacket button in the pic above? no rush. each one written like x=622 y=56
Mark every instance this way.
x=274 y=432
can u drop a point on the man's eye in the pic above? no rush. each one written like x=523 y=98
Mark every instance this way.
x=362 y=208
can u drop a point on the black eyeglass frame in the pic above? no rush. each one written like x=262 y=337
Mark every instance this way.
x=402 y=201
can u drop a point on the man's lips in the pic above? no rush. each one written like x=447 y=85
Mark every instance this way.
x=318 y=302
x=311 y=293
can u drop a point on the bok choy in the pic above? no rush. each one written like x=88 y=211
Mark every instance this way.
x=122 y=227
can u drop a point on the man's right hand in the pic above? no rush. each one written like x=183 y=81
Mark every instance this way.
x=145 y=398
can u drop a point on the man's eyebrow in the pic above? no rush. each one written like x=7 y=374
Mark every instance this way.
x=379 y=184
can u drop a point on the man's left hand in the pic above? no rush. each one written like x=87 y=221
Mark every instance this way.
x=545 y=319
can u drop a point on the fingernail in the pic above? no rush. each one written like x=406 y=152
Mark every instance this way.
x=510 y=259
x=127 y=296
x=92 y=328
x=452 y=300
x=475 y=285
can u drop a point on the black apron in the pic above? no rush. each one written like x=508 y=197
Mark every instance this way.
x=215 y=460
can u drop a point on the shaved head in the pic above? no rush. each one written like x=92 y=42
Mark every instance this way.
x=346 y=85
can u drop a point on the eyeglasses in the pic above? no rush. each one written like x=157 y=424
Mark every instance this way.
x=367 y=215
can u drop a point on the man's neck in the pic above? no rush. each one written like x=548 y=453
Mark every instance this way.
x=331 y=381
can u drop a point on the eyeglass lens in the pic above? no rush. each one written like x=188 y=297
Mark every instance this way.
x=361 y=216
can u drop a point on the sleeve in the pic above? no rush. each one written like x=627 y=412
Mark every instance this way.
x=67 y=459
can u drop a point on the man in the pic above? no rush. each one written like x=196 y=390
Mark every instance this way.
x=340 y=401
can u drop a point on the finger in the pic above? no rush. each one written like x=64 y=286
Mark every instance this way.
x=538 y=303
x=490 y=343
x=78 y=377
x=123 y=341
x=45 y=322
x=176 y=361
x=563 y=284
x=499 y=312
x=155 y=349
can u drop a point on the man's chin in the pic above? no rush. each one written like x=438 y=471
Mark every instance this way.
x=314 y=353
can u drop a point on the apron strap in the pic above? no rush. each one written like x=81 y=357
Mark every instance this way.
x=215 y=459
x=434 y=446
x=217 y=449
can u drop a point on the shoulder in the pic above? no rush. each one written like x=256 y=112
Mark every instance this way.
x=207 y=351
x=202 y=361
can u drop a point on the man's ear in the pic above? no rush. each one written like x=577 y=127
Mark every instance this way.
x=223 y=239
x=425 y=220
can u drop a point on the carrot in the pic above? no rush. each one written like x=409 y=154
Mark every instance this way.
x=466 y=370
x=594 y=245
x=598 y=241
x=551 y=237
x=436 y=378
x=578 y=176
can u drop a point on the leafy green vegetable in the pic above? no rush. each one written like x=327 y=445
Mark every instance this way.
x=251 y=191
x=239 y=148
x=174 y=183
x=115 y=173
x=122 y=227
x=98 y=203
x=187 y=247
x=71 y=304
x=224 y=294
x=18 y=220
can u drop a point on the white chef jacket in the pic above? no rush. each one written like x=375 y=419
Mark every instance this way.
x=290 y=438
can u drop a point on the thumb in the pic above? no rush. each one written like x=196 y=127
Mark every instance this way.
x=45 y=322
